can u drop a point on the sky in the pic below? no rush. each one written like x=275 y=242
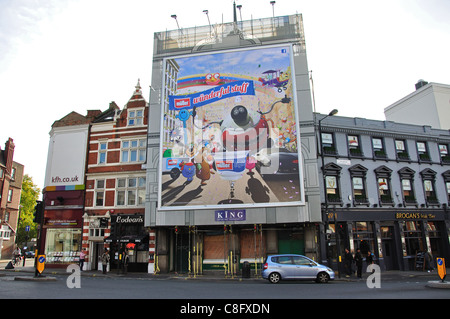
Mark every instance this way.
x=59 y=56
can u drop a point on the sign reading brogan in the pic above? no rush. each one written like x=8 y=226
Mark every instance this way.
x=229 y=134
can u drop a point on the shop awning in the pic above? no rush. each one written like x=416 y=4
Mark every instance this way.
x=136 y=239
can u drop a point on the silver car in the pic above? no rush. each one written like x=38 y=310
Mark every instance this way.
x=297 y=267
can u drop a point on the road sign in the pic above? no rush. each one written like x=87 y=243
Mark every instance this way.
x=442 y=272
x=27 y=228
x=40 y=263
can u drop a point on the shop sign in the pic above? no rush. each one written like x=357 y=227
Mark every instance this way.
x=230 y=215
x=129 y=219
x=414 y=216
x=61 y=222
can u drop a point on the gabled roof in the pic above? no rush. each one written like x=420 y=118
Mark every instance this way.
x=73 y=118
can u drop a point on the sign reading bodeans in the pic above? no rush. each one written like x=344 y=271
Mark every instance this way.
x=129 y=219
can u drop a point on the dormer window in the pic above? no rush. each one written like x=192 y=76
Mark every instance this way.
x=135 y=117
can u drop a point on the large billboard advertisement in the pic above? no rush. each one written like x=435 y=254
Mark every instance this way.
x=229 y=132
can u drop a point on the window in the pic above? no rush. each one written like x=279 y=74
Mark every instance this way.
x=133 y=150
x=298 y=260
x=413 y=237
x=428 y=178
x=447 y=185
x=407 y=182
x=446 y=176
x=402 y=152
x=102 y=152
x=354 y=146
x=422 y=150
x=363 y=237
x=383 y=175
x=328 y=144
x=358 y=176
x=63 y=245
x=131 y=191
x=13 y=173
x=99 y=192
x=10 y=195
x=135 y=117
x=333 y=194
x=443 y=152
x=5 y=232
x=378 y=148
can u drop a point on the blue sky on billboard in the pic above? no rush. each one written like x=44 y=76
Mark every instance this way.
x=243 y=61
x=58 y=56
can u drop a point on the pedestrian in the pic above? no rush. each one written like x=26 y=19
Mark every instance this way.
x=358 y=262
x=348 y=259
x=105 y=260
x=125 y=261
x=82 y=257
x=369 y=259
x=16 y=254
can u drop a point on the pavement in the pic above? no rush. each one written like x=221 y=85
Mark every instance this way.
x=28 y=273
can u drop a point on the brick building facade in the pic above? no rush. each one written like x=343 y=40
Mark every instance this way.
x=11 y=176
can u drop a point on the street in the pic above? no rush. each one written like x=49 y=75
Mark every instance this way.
x=115 y=287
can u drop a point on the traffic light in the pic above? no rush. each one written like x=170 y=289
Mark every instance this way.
x=38 y=212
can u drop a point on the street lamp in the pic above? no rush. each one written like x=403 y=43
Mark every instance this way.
x=325 y=218
x=273 y=8
x=206 y=12
x=239 y=6
x=333 y=112
x=174 y=16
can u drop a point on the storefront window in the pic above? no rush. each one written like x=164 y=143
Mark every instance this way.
x=413 y=237
x=363 y=237
x=63 y=245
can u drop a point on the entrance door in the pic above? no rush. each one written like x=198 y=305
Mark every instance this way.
x=182 y=252
x=388 y=246
x=291 y=243
x=97 y=252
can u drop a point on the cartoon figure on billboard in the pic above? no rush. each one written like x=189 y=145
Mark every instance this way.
x=233 y=130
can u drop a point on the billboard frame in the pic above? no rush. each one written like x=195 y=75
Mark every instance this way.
x=300 y=202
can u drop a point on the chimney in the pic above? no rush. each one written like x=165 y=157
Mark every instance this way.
x=9 y=154
x=420 y=83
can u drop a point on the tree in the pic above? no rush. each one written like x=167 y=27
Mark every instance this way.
x=29 y=196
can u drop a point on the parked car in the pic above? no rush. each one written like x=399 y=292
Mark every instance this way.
x=297 y=267
x=284 y=162
x=29 y=254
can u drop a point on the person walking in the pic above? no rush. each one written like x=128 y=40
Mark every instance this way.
x=105 y=260
x=82 y=257
x=348 y=259
x=359 y=263
x=125 y=261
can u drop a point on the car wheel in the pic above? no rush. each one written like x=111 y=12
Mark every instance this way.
x=322 y=277
x=274 y=277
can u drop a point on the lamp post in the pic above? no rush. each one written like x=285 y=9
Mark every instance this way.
x=333 y=112
x=206 y=12
x=325 y=217
x=174 y=16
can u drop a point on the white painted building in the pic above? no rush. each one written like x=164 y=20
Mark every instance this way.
x=428 y=105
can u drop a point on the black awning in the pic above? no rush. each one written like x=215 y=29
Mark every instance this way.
x=136 y=239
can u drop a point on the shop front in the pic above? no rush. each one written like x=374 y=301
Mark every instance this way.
x=227 y=248
x=395 y=238
x=62 y=232
x=130 y=240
